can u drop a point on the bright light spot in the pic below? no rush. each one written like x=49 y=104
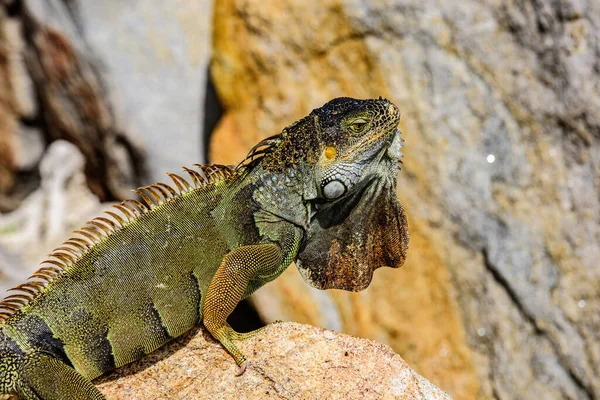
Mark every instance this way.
x=552 y=152
x=481 y=331
x=443 y=352
x=490 y=158
x=581 y=303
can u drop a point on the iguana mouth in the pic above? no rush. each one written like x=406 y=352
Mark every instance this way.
x=372 y=141
x=395 y=145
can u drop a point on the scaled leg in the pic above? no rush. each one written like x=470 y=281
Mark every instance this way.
x=228 y=287
x=46 y=378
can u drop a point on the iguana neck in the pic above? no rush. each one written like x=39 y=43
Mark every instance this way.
x=280 y=193
x=297 y=147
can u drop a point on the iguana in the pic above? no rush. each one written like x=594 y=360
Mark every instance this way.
x=321 y=193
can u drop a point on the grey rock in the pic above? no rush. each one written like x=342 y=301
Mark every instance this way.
x=29 y=147
x=518 y=81
x=47 y=216
x=153 y=58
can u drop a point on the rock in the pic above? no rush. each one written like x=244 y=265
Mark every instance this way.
x=110 y=78
x=29 y=148
x=8 y=115
x=24 y=90
x=45 y=218
x=72 y=101
x=156 y=57
x=501 y=113
x=287 y=360
x=152 y=59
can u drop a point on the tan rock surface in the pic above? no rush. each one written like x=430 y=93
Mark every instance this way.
x=288 y=361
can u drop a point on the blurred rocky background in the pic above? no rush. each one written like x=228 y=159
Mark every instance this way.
x=500 y=294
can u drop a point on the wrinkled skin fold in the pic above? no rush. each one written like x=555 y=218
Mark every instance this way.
x=348 y=239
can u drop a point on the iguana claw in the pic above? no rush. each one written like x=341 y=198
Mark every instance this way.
x=242 y=369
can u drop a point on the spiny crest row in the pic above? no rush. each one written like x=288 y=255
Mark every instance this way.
x=96 y=230
x=260 y=150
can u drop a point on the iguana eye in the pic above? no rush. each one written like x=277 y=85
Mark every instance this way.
x=358 y=125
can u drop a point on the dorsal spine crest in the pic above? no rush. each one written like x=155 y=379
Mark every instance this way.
x=98 y=229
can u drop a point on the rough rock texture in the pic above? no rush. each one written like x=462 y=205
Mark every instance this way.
x=501 y=112
x=288 y=361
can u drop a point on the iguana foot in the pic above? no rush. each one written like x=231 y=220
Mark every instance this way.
x=248 y=335
x=242 y=369
x=227 y=287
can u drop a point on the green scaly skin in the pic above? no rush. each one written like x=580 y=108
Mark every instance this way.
x=322 y=193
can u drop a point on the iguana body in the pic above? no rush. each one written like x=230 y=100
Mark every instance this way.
x=321 y=193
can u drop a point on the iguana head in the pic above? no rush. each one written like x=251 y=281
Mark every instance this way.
x=341 y=161
x=353 y=135
x=357 y=222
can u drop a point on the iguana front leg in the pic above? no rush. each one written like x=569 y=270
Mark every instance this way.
x=230 y=283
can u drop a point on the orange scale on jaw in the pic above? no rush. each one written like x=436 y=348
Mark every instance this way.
x=330 y=152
